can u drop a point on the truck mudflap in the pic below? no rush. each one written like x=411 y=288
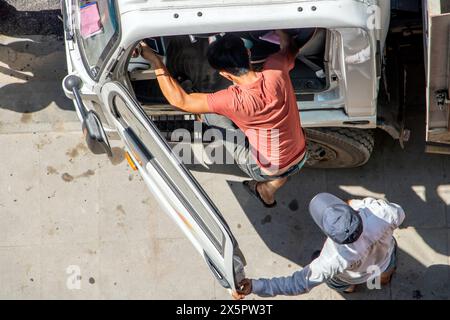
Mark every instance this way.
x=437 y=40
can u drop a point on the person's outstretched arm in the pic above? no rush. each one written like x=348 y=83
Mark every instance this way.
x=195 y=103
x=321 y=269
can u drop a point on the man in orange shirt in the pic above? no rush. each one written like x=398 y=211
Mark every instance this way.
x=262 y=105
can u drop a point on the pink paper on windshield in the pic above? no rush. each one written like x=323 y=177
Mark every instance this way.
x=90 y=20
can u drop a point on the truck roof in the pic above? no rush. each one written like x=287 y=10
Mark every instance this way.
x=143 y=18
x=131 y=5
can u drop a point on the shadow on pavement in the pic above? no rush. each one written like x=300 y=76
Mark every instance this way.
x=411 y=179
x=30 y=65
x=419 y=182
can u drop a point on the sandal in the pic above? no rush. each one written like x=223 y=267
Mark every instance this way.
x=250 y=186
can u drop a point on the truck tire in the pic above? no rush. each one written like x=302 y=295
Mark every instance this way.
x=334 y=148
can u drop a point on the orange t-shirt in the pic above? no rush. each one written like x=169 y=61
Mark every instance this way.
x=267 y=112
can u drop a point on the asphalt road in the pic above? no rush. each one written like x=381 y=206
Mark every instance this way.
x=34 y=5
x=23 y=17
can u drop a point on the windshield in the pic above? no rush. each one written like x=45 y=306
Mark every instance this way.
x=97 y=32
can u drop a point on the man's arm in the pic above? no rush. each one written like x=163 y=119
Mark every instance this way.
x=287 y=44
x=285 y=59
x=287 y=286
x=195 y=103
x=320 y=270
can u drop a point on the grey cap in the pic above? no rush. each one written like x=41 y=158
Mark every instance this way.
x=336 y=219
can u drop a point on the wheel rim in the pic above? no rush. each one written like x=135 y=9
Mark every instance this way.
x=318 y=152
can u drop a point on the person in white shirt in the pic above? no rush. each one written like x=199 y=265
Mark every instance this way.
x=360 y=241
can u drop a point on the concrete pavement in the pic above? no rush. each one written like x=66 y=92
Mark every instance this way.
x=78 y=226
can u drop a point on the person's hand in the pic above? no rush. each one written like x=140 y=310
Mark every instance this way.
x=136 y=52
x=284 y=36
x=245 y=288
x=281 y=33
x=148 y=54
x=285 y=39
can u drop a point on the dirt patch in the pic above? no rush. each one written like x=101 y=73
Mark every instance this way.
x=118 y=156
x=43 y=142
x=51 y=170
x=75 y=152
x=67 y=177
x=58 y=126
x=267 y=219
x=52 y=195
x=417 y=295
x=121 y=210
x=293 y=205
x=26 y=118
x=87 y=174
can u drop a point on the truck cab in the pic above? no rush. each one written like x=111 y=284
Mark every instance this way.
x=337 y=79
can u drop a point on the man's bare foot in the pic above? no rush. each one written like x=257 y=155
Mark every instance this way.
x=266 y=193
x=352 y=289
x=386 y=277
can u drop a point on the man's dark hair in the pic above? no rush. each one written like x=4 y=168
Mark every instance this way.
x=228 y=53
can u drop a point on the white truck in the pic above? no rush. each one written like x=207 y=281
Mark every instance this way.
x=344 y=85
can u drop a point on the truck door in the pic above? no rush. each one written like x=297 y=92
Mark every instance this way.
x=437 y=39
x=174 y=187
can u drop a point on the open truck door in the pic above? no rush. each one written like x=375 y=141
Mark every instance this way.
x=174 y=187
x=437 y=41
x=147 y=151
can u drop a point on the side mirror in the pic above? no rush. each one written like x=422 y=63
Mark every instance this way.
x=93 y=131
x=95 y=136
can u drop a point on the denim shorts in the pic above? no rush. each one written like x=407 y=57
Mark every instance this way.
x=254 y=171
x=242 y=152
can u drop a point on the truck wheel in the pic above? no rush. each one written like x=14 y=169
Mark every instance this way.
x=332 y=148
